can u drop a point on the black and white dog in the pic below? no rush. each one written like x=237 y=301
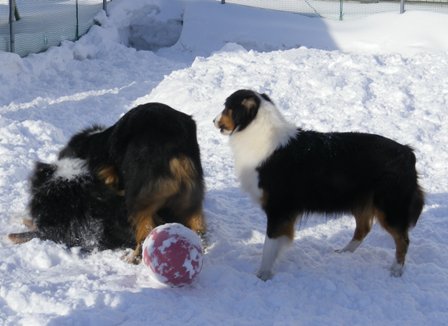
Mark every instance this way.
x=291 y=172
x=70 y=205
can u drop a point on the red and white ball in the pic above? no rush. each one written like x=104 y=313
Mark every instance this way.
x=173 y=252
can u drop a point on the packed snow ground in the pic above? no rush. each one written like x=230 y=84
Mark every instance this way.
x=365 y=75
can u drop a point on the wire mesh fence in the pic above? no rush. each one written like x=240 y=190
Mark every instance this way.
x=31 y=26
x=345 y=9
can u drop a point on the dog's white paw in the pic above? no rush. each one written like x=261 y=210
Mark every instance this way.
x=265 y=275
x=131 y=258
x=396 y=269
x=350 y=247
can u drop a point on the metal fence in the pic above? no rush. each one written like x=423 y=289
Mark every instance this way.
x=31 y=26
x=345 y=9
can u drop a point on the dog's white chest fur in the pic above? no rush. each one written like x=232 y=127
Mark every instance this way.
x=253 y=145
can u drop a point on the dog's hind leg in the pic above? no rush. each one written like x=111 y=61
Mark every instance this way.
x=143 y=217
x=143 y=222
x=401 y=244
x=364 y=219
x=401 y=239
x=196 y=222
x=18 y=238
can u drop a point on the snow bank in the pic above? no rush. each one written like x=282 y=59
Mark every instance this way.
x=322 y=75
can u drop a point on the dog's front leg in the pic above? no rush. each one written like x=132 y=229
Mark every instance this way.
x=279 y=234
x=271 y=249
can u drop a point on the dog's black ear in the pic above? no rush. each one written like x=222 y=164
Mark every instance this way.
x=77 y=146
x=250 y=103
x=248 y=110
x=41 y=174
x=80 y=143
x=66 y=152
x=267 y=98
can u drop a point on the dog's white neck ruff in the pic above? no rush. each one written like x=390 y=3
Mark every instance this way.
x=268 y=131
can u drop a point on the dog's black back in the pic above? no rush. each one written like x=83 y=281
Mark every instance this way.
x=151 y=156
x=340 y=172
x=144 y=141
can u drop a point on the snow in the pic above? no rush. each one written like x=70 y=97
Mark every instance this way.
x=385 y=74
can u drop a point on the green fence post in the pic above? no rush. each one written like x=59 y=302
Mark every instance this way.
x=77 y=21
x=105 y=7
x=341 y=9
x=12 y=46
x=16 y=11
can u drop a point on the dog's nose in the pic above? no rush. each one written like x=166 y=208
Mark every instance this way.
x=216 y=120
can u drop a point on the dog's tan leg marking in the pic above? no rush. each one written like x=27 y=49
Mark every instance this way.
x=190 y=193
x=364 y=220
x=144 y=220
x=196 y=222
x=180 y=187
x=184 y=172
x=29 y=224
x=401 y=239
x=143 y=223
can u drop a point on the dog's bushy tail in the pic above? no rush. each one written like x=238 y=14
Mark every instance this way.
x=399 y=195
x=416 y=196
x=416 y=205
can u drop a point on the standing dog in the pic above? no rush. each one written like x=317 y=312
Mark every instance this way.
x=291 y=172
x=152 y=158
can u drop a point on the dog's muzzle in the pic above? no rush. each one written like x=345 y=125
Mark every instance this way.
x=220 y=126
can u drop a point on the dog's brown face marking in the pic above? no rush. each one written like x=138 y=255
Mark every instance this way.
x=224 y=122
x=240 y=110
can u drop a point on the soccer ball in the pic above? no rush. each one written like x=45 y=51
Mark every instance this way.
x=173 y=253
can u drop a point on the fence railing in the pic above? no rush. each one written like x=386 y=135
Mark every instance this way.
x=345 y=9
x=30 y=26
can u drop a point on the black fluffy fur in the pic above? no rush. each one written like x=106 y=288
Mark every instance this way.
x=109 y=210
x=140 y=146
x=339 y=173
x=80 y=211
